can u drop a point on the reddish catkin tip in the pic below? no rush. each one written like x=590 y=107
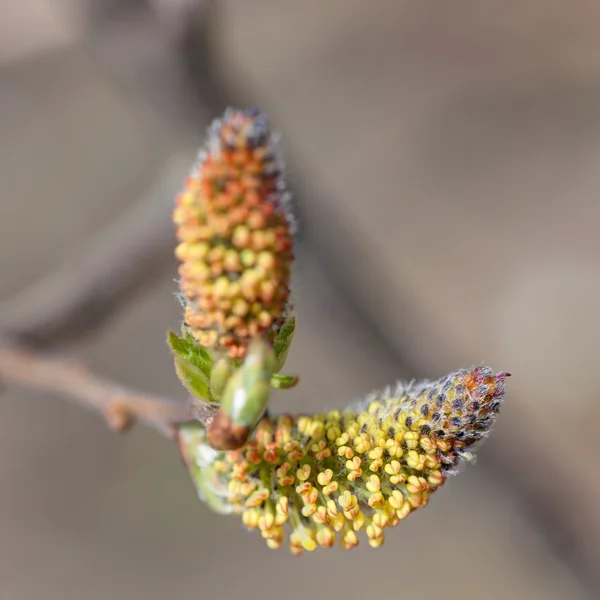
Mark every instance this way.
x=235 y=236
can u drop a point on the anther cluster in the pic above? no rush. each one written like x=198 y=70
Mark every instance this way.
x=320 y=479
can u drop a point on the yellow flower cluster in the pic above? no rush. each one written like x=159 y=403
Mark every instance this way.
x=327 y=477
x=235 y=240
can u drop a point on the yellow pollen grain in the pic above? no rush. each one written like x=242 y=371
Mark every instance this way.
x=320 y=515
x=338 y=522
x=250 y=518
x=374 y=484
x=374 y=532
x=345 y=451
x=376 y=500
x=349 y=540
x=354 y=463
x=375 y=465
x=257 y=498
x=376 y=453
x=325 y=477
x=330 y=488
x=381 y=518
x=325 y=537
x=403 y=511
x=359 y=521
x=436 y=478
x=303 y=473
x=396 y=499
x=266 y=522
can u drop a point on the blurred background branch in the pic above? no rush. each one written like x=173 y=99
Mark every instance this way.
x=120 y=406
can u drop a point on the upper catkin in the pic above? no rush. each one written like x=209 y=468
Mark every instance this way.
x=235 y=232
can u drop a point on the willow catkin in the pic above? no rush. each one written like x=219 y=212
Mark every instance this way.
x=318 y=479
x=235 y=236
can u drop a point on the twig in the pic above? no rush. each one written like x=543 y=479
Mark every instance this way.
x=120 y=406
x=85 y=290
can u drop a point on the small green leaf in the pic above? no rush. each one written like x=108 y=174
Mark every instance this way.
x=192 y=352
x=193 y=365
x=282 y=342
x=283 y=382
x=192 y=378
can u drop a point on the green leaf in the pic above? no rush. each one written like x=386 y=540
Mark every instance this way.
x=283 y=382
x=282 y=342
x=193 y=365
x=192 y=352
x=192 y=378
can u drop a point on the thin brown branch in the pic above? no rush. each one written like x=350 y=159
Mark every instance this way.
x=86 y=290
x=121 y=406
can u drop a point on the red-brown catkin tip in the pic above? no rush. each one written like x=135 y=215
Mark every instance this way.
x=234 y=228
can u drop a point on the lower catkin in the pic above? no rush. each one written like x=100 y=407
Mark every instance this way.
x=324 y=478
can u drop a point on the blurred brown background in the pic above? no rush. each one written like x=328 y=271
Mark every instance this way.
x=445 y=162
